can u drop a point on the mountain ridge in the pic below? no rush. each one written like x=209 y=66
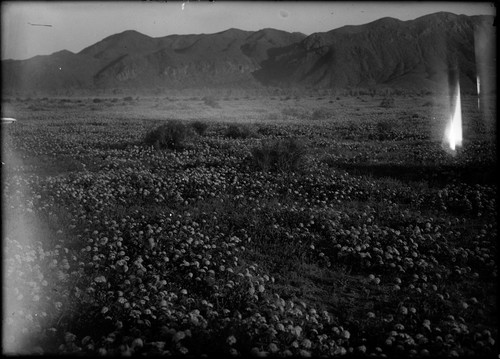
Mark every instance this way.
x=414 y=54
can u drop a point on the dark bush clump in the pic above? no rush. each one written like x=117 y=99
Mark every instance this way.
x=320 y=114
x=239 y=131
x=96 y=100
x=172 y=135
x=128 y=98
x=200 y=127
x=387 y=102
x=293 y=112
x=211 y=101
x=284 y=155
x=384 y=130
x=272 y=117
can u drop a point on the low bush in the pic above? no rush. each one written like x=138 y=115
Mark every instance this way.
x=96 y=100
x=128 y=98
x=239 y=131
x=292 y=112
x=320 y=114
x=388 y=102
x=200 y=127
x=384 y=130
x=172 y=135
x=211 y=101
x=284 y=155
x=272 y=116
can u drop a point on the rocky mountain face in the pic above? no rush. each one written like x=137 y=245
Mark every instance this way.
x=417 y=54
x=409 y=54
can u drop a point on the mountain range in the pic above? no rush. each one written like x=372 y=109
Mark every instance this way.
x=417 y=54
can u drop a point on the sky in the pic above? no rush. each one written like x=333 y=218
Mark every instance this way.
x=75 y=25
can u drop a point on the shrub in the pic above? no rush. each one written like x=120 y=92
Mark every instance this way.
x=35 y=107
x=211 y=101
x=128 y=98
x=292 y=112
x=384 y=130
x=320 y=114
x=96 y=100
x=172 y=135
x=280 y=155
x=272 y=116
x=387 y=102
x=200 y=127
x=239 y=131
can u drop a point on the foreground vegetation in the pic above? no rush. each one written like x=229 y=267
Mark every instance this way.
x=291 y=232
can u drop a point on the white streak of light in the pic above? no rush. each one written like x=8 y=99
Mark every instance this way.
x=454 y=131
x=478 y=91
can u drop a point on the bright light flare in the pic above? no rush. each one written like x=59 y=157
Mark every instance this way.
x=478 y=92
x=454 y=128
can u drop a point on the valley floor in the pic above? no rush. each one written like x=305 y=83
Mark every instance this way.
x=380 y=241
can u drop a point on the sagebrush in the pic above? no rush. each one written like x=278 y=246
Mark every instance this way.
x=239 y=131
x=172 y=135
x=200 y=127
x=279 y=155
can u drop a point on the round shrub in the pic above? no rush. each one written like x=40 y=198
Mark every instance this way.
x=211 y=101
x=172 y=135
x=320 y=114
x=239 y=131
x=388 y=102
x=280 y=155
x=200 y=127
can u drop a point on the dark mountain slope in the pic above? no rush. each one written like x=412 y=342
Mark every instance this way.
x=228 y=57
x=417 y=53
x=61 y=70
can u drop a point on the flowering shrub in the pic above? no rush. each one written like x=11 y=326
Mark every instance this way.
x=211 y=101
x=320 y=114
x=172 y=135
x=388 y=102
x=279 y=155
x=239 y=131
x=200 y=127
